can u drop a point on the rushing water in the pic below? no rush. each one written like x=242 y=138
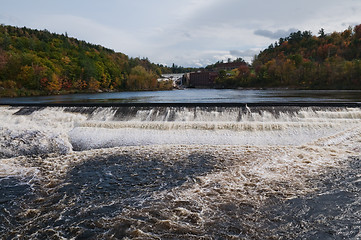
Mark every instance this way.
x=199 y=96
x=180 y=172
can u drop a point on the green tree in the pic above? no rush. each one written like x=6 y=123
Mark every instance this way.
x=322 y=33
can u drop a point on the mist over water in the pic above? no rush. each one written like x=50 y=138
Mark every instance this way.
x=180 y=172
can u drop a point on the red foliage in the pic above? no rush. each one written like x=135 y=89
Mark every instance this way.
x=243 y=70
x=326 y=50
x=44 y=82
x=66 y=84
x=3 y=59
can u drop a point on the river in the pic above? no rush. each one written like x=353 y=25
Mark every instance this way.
x=199 y=96
x=196 y=171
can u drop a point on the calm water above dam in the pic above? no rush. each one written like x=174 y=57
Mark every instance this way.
x=199 y=96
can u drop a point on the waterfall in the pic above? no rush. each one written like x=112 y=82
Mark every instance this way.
x=63 y=129
x=179 y=171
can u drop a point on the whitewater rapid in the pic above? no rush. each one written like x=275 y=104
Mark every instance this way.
x=174 y=172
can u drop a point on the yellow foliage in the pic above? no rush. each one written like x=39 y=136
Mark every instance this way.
x=9 y=84
x=140 y=78
x=80 y=84
x=93 y=84
x=54 y=84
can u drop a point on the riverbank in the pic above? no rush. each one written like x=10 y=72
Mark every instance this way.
x=14 y=93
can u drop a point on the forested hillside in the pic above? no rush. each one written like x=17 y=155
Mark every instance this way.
x=34 y=62
x=305 y=61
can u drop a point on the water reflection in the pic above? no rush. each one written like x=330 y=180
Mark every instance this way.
x=199 y=96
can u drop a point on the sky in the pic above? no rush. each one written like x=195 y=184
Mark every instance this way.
x=189 y=33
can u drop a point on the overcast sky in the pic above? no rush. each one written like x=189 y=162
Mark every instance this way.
x=184 y=32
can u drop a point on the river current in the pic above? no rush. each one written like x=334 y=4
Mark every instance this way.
x=180 y=172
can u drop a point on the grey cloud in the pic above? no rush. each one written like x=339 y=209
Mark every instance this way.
x=274 y=35
x=246 y=53
x=350 y=24
x=235 y=53
x=187 y=35
x=193 y=33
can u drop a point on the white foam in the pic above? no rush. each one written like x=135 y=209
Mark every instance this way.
x=217 y=127
x=55 y=130
x=14 y=167
x=44 y=131
x=258 y=173
x=254 y=156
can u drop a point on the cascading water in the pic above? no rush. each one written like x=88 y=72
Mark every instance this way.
x=180 y=172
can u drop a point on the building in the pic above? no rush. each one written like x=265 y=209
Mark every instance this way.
x=201 y=79
x=207 y=79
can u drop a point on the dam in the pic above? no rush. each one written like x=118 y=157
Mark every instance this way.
x=180 y=171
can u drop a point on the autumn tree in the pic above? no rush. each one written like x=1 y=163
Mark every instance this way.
x=54 y=83
x=244 y=75
x=93 y=84
x=46 y=63
x=140 y=78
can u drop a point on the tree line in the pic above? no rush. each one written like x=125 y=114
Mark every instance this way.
x=304 y=61
x=34 y=62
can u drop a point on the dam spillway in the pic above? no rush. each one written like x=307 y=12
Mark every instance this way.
x=179 y=171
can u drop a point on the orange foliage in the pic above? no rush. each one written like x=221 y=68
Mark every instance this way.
x=54 y=83
x=80 y=84
x=93 y=84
